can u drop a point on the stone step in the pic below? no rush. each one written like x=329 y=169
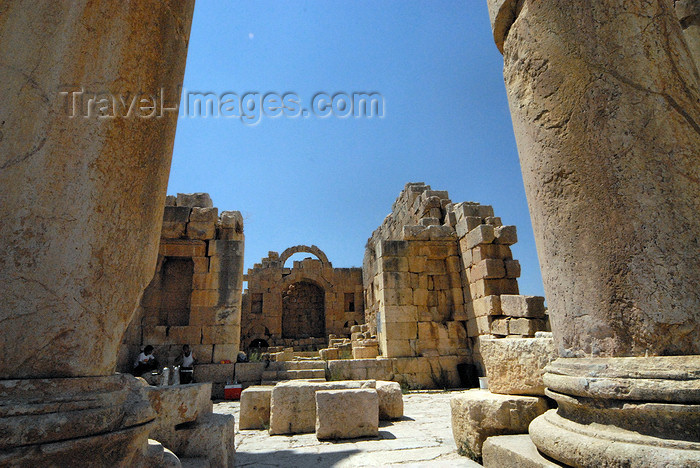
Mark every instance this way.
x=269 y=375
x=306 y=374
x=299 y=365
x=269 y=382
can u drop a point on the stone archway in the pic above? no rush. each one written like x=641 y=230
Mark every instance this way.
x=304 y=249
x=303 y=311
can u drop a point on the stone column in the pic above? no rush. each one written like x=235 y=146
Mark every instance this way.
x=605 y=102
x=83 y=190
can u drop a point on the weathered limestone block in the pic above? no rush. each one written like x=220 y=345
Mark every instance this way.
x=255 y=407
x=213 y=372
x=514 y=451
x=478 y=414
x=526 y=326
x=505 y=235
x=365 y=352
x=329 y=353
x=482 y=234
x=516 y=366
x=211 y=437
x=390 y=400
x=175 y=220
x=199 y=200
x=515 y=305
x=512 y=268
x=488 y=268
x=201 y=230
x=501 y=326
x=347 y=414
x=177 y=404
x=488 y=305
x=293 y=405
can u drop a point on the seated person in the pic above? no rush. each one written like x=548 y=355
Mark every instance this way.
x=186 y=362
x=146 y=361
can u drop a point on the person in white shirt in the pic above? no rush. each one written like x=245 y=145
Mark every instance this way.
x=186 y=361
x=146 y=361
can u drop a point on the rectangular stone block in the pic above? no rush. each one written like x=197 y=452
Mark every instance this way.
x=176 y=214
x=482 y=234
x=393 y=280
x=225 y=352
x=255 y=407
x=516 y=365
x=514 y=451
x=512 y=268
x=365 y=352
x=293 y=403
x=201 y=230
x=489 y=269
x=329 y=353
x=393 y=264
x=185 y=335
x=200 y=199
x=205 y=281
x=396 y=348
x=204 y=297
x=506 y=235
x=204 y=215
x=201 y=264
x=417 y=264
x=183 y=248
x=221 y=373
x=219 y=334
x=202 y=353
x=478 y=414
x=479 y=326
x=490 y=287
x=173 y=230
x=487 y=305
x=347 y=414
x=522 y=306
x=465 y=209
x=493 y=251
x=526 y=326
x=501 y=326
x=225 y=248
x=393 y=248
x=401 y=330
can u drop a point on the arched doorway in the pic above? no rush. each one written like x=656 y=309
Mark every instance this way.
x=303 y=311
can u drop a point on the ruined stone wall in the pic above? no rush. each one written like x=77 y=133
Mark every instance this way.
x=195 y=295
x=435 y=274
x=302 y=305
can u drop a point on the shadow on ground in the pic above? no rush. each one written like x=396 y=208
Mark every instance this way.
x=291 y=458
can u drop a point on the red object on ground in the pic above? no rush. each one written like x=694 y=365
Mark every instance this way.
x=233 y=392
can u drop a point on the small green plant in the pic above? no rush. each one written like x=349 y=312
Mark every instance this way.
x=255 y=355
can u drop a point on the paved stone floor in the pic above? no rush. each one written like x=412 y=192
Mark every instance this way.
x=422 y=438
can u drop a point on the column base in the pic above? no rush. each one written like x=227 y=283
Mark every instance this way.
x=622 y=412
x=83 y=421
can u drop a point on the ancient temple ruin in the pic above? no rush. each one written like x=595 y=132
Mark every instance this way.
x=604 y=98
x=194 y=297
x=299 y=306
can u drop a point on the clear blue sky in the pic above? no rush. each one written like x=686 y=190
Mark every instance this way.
x=331 y=181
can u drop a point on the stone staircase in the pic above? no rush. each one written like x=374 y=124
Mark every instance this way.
x=291 y=370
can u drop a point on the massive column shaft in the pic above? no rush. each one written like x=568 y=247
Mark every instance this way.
x=82 y=197
x=605 y=102
x=81 y=202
